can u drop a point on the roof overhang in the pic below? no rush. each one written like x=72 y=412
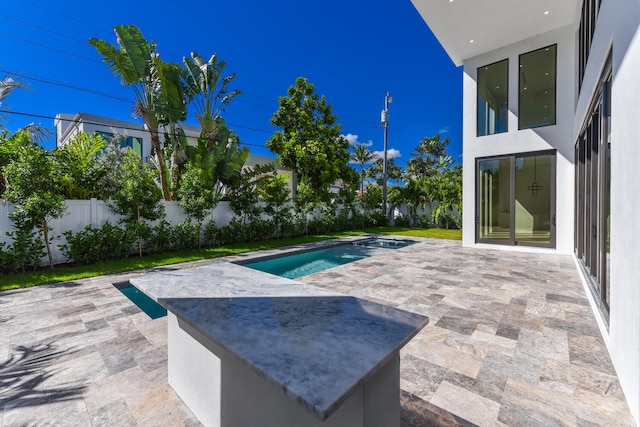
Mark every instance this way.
x=468 y=28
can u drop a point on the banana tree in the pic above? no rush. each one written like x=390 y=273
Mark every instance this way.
x=208 y=91
x=159 y=97
x=221 y=159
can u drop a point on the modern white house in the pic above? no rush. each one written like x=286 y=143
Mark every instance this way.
x=551 y=118
x=135 y=136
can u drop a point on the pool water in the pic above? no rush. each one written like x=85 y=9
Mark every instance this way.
x=291 y=266
x=139 y=298
x=301 y=264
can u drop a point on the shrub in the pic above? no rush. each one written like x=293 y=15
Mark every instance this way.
x=185 y=236
x=25 y=251
x=210 y=234
x=159 y=239
x=402 y=221
x=96 y=244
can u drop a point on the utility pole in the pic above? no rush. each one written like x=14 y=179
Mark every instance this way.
x=385 y=123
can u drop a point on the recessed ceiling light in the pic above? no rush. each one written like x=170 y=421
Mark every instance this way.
x=546 y=74
x=546 y=12
x=525 y=88
x=471 y=41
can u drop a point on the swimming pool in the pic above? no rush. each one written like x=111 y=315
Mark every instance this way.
x=300 y=264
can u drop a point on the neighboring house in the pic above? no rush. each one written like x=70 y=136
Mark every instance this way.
x=551 y=118
x=136 y=136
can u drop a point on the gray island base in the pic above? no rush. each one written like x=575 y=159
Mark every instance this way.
x=305 y=360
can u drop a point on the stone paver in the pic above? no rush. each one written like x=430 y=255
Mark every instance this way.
x=511 y=341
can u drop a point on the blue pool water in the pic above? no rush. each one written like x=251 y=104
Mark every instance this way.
x=301 y=264
x=139 y=298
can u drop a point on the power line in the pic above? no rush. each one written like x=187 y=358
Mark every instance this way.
x=129 y=101
x=65 y=85
x=11 y=36
x=234 y=29
x=65 y=16
x=88 y=122
x=42 y=28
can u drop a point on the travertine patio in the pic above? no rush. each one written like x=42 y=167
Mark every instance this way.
x=511 y=341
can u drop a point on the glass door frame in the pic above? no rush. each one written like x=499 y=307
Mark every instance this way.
x=593 y=192
x=512 y=202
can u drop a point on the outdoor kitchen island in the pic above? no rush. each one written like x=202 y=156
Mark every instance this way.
x=310 y=359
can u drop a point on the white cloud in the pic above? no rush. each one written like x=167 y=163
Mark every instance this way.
x=392 y=153
x=444 y=130
x=353 y=139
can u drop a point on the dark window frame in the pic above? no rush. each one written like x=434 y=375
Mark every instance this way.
x=555 y=88
x=552 y=196
x=588 y=20
x=506 y=123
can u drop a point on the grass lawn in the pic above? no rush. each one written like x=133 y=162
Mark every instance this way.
x=65 y=273
x=434 y=233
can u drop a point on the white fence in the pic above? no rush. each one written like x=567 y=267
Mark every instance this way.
x=81 y=213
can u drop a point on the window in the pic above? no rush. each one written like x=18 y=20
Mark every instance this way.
x=537 y=88
x=106 y=136
x=588 y=18
x=134 y=143
x=493 y=100
x=516 y=199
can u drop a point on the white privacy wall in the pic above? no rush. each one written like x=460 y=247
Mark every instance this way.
x=557 y=136
x=81 y=213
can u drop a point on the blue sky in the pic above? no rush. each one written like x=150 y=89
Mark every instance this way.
x=352 y=51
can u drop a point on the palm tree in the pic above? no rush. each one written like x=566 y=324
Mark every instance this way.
x=7 y=85
x=209 y=100
x=426 y=159
x=362 y=155
x=376 y=171
x=159 y=94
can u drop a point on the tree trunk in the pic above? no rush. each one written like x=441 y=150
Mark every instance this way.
x=155 y=143
x=45 y=233
x=173 y=172
x=139 y=239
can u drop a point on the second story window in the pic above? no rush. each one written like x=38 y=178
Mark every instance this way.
x=493 y=99
x=537 y=91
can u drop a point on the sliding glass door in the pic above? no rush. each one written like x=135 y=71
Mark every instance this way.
x=593 y=185
x=516 y=199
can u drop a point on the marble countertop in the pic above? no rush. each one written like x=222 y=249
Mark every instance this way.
x=221 y=280
x=317 y=349
x=316 y=345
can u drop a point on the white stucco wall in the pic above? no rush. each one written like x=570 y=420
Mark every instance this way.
x=556 y=137
x=618 y=29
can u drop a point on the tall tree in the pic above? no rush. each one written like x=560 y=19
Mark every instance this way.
x=310 y=142
x=33 y=189
x=362 y=155
x=10 y=148
x=138 y=197
x=376 y=170
x=426 y=160
x=159 y=95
